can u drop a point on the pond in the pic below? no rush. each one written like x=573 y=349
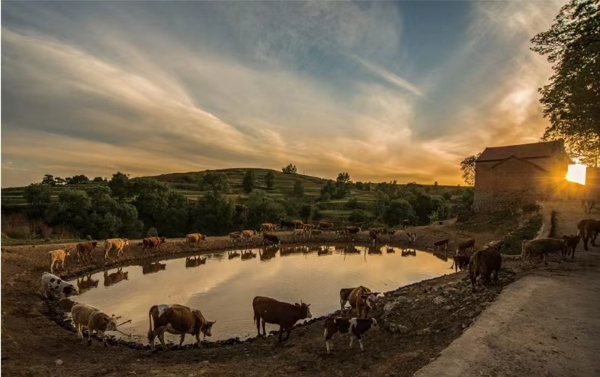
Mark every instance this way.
x=222 y=285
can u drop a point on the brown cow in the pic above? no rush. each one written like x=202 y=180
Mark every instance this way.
x=324 y=225
x=153 y=242
x=441 y=245
x=344 y=296
x=151 y=268
x=572 y=242
x=405 y=223
x=356 y=326
x=194 y=261
x=248 y=235
x=84 y=250
x=267 y=227
x=271 y=238
x=362 y=299
x=285 y=315
x=85 y=315
x=178 y=320
x=466 y=244
x=234 y=237
x=460 y=261
x=56 y=257
x=542 y=247
x=115 y=277
x=115 y=243
x=588 y=230
x=194 y=238
x=248 y=255
x=298 y=224
x=483 y=263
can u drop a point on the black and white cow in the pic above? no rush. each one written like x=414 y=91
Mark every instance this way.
x=356 y=326
x=57 y=287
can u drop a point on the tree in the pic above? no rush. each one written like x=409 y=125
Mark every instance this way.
x=249 y=181
x=290 y=169
x=360 y=216
x=212 y=214
x=79 y=179
x=48 y=180
x=467 y=165
x=298 y=188
x=263 y=209
x=305 y=211
x=218 y=182
x=572 y=99
x=120 y=186
x=270 y=179
x=38 y=196
x=397 y=211
x=98 y=179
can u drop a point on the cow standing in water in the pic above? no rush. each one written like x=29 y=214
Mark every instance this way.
x=280 y=313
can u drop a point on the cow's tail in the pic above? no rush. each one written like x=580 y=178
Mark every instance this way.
x=150 y=332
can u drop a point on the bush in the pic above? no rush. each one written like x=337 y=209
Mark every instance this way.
x=152 y=232
x=352 y=203
x=360 y=216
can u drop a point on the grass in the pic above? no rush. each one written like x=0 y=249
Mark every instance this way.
x=6 y=241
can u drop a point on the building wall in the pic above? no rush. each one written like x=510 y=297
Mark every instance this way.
x=509 y=184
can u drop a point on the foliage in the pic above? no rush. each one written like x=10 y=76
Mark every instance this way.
x=48 y=180
x=270 y=180
x=217 y=182
x=467 y=166
x=360 y=216
x=78 y=180
x=305 y=212
x=38 y=196
x=298 y=188
x=572 y=99
x=447 y=195
x=397 y=211
x=120 y=186
x=249 y=181
x=263 y=209
x=316 y=214
x=212 y=214
x=290 y=169
x=152 y=232
x=352 y=203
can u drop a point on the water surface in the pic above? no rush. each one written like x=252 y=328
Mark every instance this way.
x=222 y=285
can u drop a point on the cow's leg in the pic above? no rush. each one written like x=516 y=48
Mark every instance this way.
x=280 y=333
x=161 y=336
x=89 y=343
x=289 y=330
x=79 y=333
x=360 y=342
x=351 y=340
x=182 y=338
x=263 y=327
x=151 y=336
x=594 y=238
x=342 y=303
x=62 y=265
x=257 y=325
x=585 y=242
x=198 y=339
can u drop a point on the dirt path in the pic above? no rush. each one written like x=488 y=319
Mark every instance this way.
x=545 y=324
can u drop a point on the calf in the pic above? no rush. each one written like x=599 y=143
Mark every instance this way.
x=412 y=237
x=53 y=285
x=572 y=242
x=85 y=315
x=235 y=236
x=248 y=235
x=271 y=238
x=153 y=242
x=267 y=227
x=285 y=315
x=84 y=250
x=324 y=225
x=315 y=232
x=115 y=243
x=588 y=229
x=285 y=224
x=194 y=238
x=405 y=224
x=178 y=320
x=460 y=261
x=542 y=247
x=56 y=257
x=483 y=263
x=355 y=326
x=300 y=232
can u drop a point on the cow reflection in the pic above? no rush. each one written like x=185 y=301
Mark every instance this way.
x=194 y=261
x=267 y=253
x=218 y=256
x=233 y=254
x=390 y=250
x=115 y=277
x=351 y=249
x=374 y=250
x=324 y=251
x=409 y=252
x=441 y=255
x=151 y=268
x=294 y=250
x=248 y=255
x=86 y=283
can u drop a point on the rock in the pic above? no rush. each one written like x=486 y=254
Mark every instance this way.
x=439 y=300
x=448 y=307
x=395 y=328
x=449 y=291
x=390 y=306
x=59 y=362
x=424 y=331
x=205 y=362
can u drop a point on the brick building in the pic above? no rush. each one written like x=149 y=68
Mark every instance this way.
x=511 y=176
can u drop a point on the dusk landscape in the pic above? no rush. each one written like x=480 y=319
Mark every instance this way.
x=305 y=188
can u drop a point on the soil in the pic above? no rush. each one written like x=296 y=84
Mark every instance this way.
x=417 y=322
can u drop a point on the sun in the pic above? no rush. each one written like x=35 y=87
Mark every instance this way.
x=576 y=173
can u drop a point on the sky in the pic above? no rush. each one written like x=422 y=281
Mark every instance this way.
x=383 y=90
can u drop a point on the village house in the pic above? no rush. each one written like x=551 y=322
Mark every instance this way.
x=511 y=176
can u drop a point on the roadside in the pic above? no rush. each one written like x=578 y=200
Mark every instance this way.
x=545 y=324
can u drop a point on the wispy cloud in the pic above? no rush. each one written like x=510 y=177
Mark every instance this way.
x=328 y=86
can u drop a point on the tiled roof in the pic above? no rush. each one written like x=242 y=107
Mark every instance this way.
x=523 y=151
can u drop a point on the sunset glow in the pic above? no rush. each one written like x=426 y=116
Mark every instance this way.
x=576 y=173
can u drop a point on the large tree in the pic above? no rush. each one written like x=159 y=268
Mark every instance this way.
x=467 y=165
x=572 y=99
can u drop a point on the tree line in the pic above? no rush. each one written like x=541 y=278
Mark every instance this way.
x=137 y=207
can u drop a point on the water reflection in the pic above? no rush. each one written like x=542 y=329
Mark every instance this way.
x=151 y=268
x=86 y=283
x=408 y=253
x=225 y=288
x=390 y=250
x=194 y=261
x=443 y=255
x=374 y=250
x=115 y=277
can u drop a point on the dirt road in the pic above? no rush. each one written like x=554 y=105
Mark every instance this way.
x=545 y=324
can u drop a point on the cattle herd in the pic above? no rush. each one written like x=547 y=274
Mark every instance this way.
x=482 y=265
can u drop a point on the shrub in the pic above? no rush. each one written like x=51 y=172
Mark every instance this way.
x=152 y=232
x=360 y=216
